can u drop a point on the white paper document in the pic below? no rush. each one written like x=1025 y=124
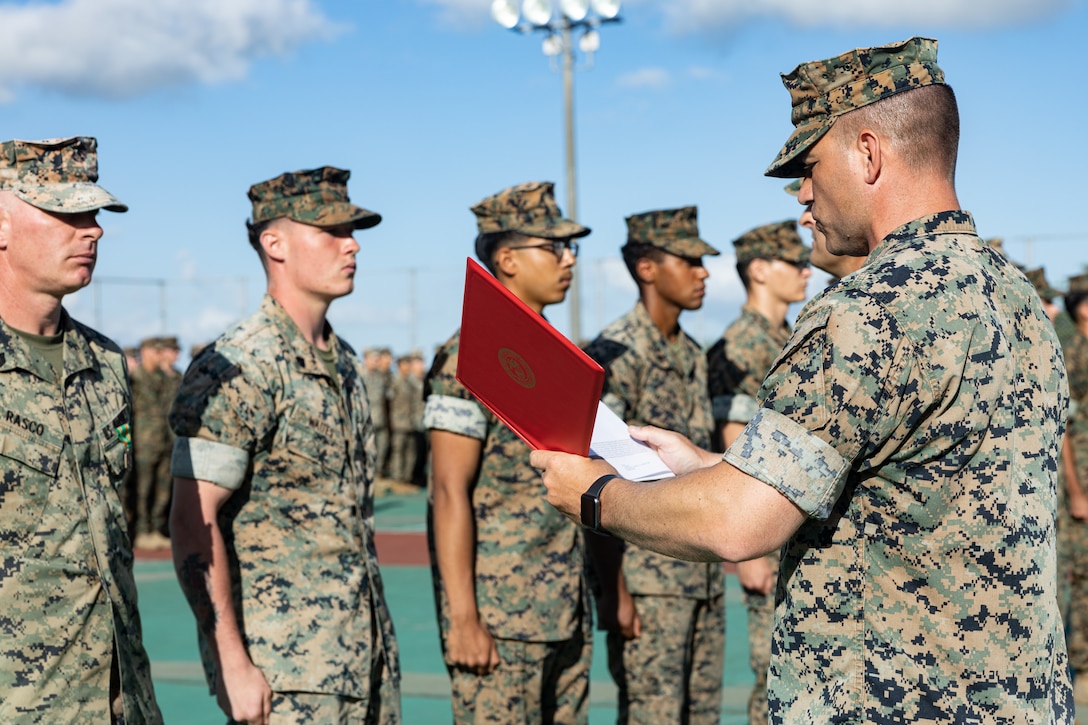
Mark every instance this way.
x=634 y=460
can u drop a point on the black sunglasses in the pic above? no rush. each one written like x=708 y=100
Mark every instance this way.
x=800 y=265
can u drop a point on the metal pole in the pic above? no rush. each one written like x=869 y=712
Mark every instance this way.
x=162 y=306
x=412 y=314
x=572 y=194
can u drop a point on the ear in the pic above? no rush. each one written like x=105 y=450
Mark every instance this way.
x=506 y=261
x=758 y=269
x=872 y=151
x=646 y=270
x=274 y=243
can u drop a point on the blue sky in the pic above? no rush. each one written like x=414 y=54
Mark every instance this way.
x=433 y=106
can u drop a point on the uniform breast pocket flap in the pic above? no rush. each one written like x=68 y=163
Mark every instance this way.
x=311 y=437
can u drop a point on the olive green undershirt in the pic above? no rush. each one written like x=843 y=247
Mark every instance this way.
x=328 y=359
x=50 y=347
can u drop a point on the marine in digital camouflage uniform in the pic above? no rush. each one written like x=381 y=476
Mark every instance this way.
x=405 y=419
x=71 y=650
x=665 y=617
x=153 y=444
x=273 y=516
x=377 y=394
x=1073 y=518
x=772 y=262
x=169 y=352
x=1063 y=323
x=508 y=569
x=907 y=446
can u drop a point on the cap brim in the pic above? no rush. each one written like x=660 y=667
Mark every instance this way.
x=788 y=164
x=341 y=212
x=561 y=229
x=69 y=198
x=690 y=248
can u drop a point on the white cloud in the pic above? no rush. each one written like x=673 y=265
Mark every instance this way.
x=120 y=48
x=653 y=78
x=695 y=16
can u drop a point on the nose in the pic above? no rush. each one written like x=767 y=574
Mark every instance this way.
x=568 y=259
x=807 y=220
x=804 y=196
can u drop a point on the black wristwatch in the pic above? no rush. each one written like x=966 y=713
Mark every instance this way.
x=591 y=504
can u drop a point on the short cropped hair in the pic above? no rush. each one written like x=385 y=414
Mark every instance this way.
x=742 y=272
x=634 y=251
x=487 y=243
x=922 y=125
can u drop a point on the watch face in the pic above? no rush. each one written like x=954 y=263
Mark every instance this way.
x=590 y=511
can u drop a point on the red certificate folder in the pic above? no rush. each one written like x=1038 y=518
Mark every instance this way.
x=524 y=370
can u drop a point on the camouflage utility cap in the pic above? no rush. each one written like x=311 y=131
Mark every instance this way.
x=56 y=175
x=318 y=197
x=1078 y=285
x=674 y=230
x=169 y=343
x=1037 y=277
x=794 y=187
x=528 y=208
x=823 y=90
x=772 y=241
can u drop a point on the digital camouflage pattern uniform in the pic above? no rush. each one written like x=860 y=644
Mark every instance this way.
x=260 y=413
x=67 y=593
x=257 y=413
x=405 y=423
x=531 y=592
x=153 y=443
x=377 y=395
x=915 y=415
x=737 y=365
x=672 y=673
x=1074 y=534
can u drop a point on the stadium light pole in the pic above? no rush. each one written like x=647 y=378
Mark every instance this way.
x=559 y=28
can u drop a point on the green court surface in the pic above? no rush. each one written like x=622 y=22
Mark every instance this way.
x=170 y=638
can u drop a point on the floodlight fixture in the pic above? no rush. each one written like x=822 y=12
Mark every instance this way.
x=505 y=13
x=537 y=12
x=590 y=42
x=607 y=9
x=575 y=10
x=553 y=45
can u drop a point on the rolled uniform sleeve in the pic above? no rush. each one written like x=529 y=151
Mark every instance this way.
x=221 y=416
x=450 y=406
x=836 y=400
x=801 y=466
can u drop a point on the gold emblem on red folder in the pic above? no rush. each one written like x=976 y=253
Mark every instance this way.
x=516 y=367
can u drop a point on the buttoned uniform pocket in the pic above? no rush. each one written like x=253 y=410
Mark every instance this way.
x=114 y=440
x=28 y=468
x=315 y=440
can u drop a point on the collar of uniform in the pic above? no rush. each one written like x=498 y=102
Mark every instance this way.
x=301 y=351
x=77 y=353
x=775 y=333
x=943 y=222
x=659 y=345
x=15 y=353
